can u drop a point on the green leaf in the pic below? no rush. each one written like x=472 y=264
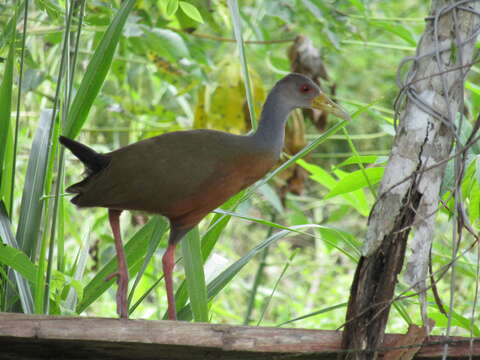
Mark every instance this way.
x=32 y=204
x=361 y=159
x=6 y=103
x=356 y=180
x=96 y=72
x=161 y=227
x=195 y=277
x=171 y=7
x=358 y=4
x=396 y=29
x=209 y=239
x=304 y=152
x=318 y=312
x=237 y=31
x=7 y=237
x=191 y=11
x=52 y=9
x=18 y=261
x=6 y=176
x=75 y=292
x=7 y=156
x=217 y=284
x=167 y=43
x=456 y=320
x=269 y=299
x=356 y=198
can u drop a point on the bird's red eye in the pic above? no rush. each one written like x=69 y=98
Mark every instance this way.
x=305 y=88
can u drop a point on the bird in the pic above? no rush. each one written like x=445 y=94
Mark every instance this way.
x=184 y=175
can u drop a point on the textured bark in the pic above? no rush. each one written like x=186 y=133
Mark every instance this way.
x=423 y=139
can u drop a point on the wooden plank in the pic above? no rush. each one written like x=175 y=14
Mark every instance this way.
x=29 y=337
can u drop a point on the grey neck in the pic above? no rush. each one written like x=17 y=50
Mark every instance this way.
x=271 y=129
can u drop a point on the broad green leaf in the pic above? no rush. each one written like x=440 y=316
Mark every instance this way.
x=195 y=277
x=472 y=87
x=318 y=174
x=166 y=43
x=209 y=16
x=171 y=7
x=474 y=205
x=356 y=198
x=18 y=261
x=191 y=11
x=456 y=320
x=356 y=180
x=32 y=204
x=396 y=29
x=96 y=72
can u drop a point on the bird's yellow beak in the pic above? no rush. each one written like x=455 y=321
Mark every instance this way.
x=322 y=102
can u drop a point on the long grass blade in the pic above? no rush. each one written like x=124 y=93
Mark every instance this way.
x=7 y=237
x=237 y=31
x=161 y=227
x=6 y=176
x=96 y=72
x=54 y=160
x=32 y=204
x=318 y=312
x=197 y=289
x=209 y=239
x=217 y=284
x=257 y=279
x=284 y=270
x=72 y=297
x=5 y=111
x=17 y=114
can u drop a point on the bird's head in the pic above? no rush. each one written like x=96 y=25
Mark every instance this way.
x=301 y=92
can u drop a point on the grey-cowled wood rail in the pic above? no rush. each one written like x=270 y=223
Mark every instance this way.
x=184 y=175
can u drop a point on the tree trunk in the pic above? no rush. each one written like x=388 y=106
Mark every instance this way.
x=409 y=192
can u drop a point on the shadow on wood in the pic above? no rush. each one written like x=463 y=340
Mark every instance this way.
x=51 y=337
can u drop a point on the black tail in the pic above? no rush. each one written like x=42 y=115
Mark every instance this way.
x=89 y=157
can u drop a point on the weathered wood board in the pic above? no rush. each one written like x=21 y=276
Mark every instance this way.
x=31 y=337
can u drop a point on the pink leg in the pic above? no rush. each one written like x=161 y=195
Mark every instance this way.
x=168 y=262
x=122 y=273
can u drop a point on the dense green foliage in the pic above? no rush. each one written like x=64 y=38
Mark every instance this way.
x=142 y=68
